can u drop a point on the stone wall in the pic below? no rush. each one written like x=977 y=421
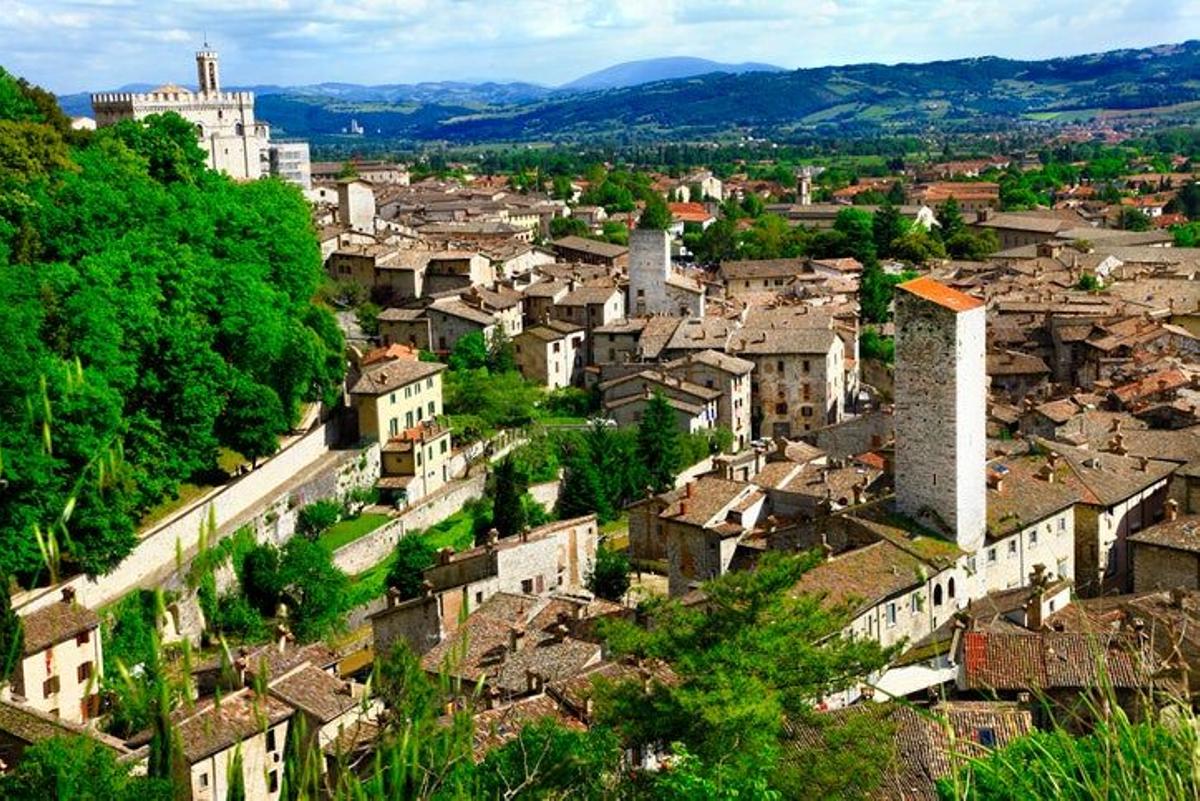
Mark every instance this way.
x=158 y=547
x=1163 y=568
x=854 y=436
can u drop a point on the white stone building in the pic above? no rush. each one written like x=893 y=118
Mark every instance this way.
x=235 y=142
x=655 y=288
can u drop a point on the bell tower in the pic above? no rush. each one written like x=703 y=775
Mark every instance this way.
x=207 y=74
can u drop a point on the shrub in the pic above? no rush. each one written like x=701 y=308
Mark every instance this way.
x=317 y=518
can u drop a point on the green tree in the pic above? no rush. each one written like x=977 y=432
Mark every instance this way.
x=918 y=246
x=12 y=633
x=77 y=768
x=1132 y=219
x=235 y=779
x=252 y=420
x=313 y=587
x=976 y=246
x=755 y=654
x=658 y=443
x=547 y=761
x=413 y=555
x=609 y=576
x=502 y=356
x=318 y=517
x=857 y=226
x=1188 y=200
x=896 y=195
x=508 y=512
x=717 y=243
x=470 y=352
x=886 y=227
x=950 y=219
x=260 y=579
x=582 y=491
x=655 y=216
x=568 y=226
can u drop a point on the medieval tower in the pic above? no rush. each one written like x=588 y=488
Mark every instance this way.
x=941 y=410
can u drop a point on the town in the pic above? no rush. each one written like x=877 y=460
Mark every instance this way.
x=357 y=479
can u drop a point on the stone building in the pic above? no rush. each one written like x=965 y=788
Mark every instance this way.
x=702 y=526
x=1167 y=555
x=654 y=287
x=62 y=662
x=235 y=143
x=553 y=558
x=941 y=409
x=728 y=374
x=551 y=354
x=415 y=463
x=798 y=378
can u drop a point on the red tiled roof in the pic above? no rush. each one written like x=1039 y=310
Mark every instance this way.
x=937 y=292
x=689 y=212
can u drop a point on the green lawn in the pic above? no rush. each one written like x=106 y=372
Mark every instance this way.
x=370 y=584
x=347 y=531
x=457 y=531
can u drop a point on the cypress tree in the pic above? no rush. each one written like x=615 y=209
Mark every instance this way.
x=658 y=443
x=508 y=513
x=582 y=490
x=12 y=634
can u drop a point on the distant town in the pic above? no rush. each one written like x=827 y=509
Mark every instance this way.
x=533 y=476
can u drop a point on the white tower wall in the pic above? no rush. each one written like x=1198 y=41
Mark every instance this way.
x=941 y=410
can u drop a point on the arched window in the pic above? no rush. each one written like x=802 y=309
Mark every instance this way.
x=950 y=588
x=937 y=595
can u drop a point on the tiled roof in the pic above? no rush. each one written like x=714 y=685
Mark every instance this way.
x=715 y=359
x=926 y=743
x=315 y=692
x=222 y=724
x=56 y=623
x=388 y=376
x=865 y=576
x=937 y=292
x=1012 y=362
x=709 y=497
x=783 y=341
x=1105 y=479
x=1023 y=498
x=455 y=307
x=31 y=726
x=761 y=268
x=591 y=246
x=587 y=296
x=1181 y=534
x=1050 y=660
x=495 y=727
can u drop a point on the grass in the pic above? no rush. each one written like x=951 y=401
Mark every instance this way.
x=457 y=531
x=370 y=584
x=348 y=530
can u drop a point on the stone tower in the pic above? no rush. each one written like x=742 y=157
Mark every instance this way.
x=649 y=266
x=941 y=410
x=208 y=76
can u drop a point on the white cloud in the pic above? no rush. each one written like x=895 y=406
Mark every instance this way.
x=71 y=45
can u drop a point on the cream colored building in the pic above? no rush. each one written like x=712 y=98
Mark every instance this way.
x=225 y=126
x=551 y=353
x=243 y=725
x=395 y=396
x=63 y=662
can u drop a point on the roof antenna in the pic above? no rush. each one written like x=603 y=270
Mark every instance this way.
x=206 y=39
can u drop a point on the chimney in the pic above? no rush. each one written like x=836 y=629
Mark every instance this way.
x=1052 y=459
x=1116 y=425
x=516 y=638
x=1143 y=464
x=445 y=555
x=1172 y=510
x=533 y=681
x=1034 y=619
x=1046 y=473
x=68 y=595
x=860 y=492
x=683 y=508
x=687 y=491
x=493 y=536
x=493 y=697
x=998 y=484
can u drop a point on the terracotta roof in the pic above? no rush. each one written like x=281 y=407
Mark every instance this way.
x=590 y=246
x=689 y=212
x=761 y=268
x=221 y=725
x=1022 y=498
x=1049 y=660
x=495 y=727
x=56 y=623
x=1181 y=534
x=937 y=292
x=709 y=497
x=315 y=692
x=926 y=744
x=394 y=351
x=865 y=576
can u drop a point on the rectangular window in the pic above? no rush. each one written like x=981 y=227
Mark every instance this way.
x=807 y=365
x=1033 y=537
x=408 y=419
x=203 y=780
x=991 y=555
x=891 y=614
x=273 y=781
x=443 y=446
x=1062 y=524
x=50 y=686
x=83 y=638
x=84 y=672
x=779 y=366
x=393 y=427
x=1012 y=547
x=270 y=739
x=527 y=586
x=393 y=397
x=971 y=564
x=428 y=383
x=914 y=603
x=431 y=408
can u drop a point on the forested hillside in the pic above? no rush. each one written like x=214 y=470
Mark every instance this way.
x=154 y=312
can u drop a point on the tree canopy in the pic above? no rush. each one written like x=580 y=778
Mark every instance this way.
x=155 y=311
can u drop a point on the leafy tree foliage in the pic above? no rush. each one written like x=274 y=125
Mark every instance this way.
x=658 y=443
x=413 y=555
x=313 y=587
x=582 y=490
x=508 y=512
x=609 y=577
x=12 y=633
x=1134 y=220
x=77 y=768
x=318 y=517
x=152 y=308
x=470 y=352
x=752 y=656
x=886 y=227
x=655 y=216
x=548 y=762
x=568 y=226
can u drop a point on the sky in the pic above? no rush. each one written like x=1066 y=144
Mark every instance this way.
x=102 y=44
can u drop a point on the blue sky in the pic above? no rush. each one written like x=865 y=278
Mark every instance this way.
x=97 y=44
